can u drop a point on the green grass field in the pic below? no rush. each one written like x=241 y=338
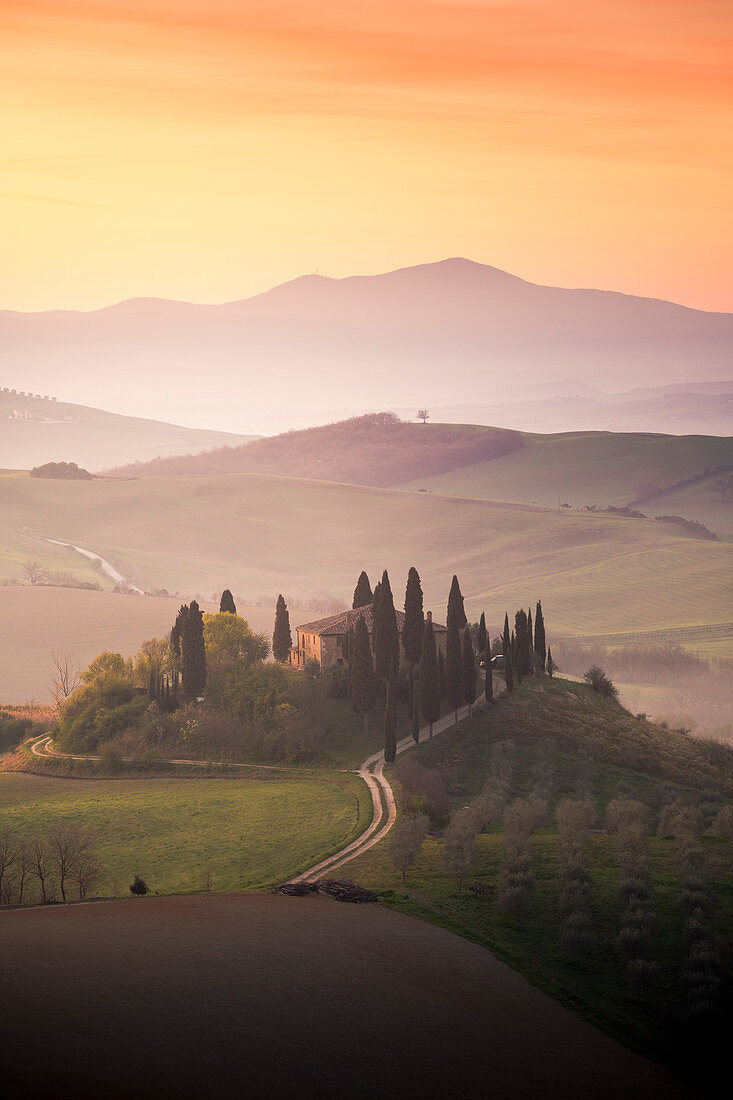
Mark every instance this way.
x=600 y=468
x=261 y=534
x=250 y=833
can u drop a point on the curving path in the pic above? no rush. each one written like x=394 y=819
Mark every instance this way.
x=383 y=803
x=106 y=566
x=384 y=810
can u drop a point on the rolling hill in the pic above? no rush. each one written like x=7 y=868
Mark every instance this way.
x=36 y=429
x=430 y=334
x=602 y=468
x=261 y=535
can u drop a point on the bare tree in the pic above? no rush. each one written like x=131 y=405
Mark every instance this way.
x=68 y=845
x=407 y=840
x=41 y=865
x=8 y=855
x=33 y=571
x=87 y=873
x=423 y=414
x=721 y=485
x=65 y=674
x=24 y=868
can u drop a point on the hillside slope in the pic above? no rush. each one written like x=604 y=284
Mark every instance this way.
x=601 y=468
x=426 y=334
x=377 y=449
x=263 y=535
x=35 y=429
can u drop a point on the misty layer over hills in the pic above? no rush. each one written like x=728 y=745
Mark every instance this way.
x=449 y=335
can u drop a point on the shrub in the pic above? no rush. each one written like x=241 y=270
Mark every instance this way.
x=337 y=683
x=598 y=680
x=139 y=887
x=110 y=759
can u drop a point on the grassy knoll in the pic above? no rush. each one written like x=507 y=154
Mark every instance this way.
x=251 y=833
x=252 y=531
x=622 y=758
x=599 y=468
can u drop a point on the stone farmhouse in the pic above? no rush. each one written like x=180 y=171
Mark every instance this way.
x=324 y=638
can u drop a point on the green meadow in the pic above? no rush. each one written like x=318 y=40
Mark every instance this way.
x=248 y=833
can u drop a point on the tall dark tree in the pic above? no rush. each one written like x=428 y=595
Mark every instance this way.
x=509 y=667
x=361 y=667
x=441 y=673
x=386 y=635
x=489 y=674
x=506 y=638
x=412 y=630
x=530 y=631
x=429 y=678
x=469 y=671
x=363 y=594
x=524 y=645
x=390 y=712
x=226 y=603
x=455 y=604
x=540 y=644
x=550 y=666
x=282 y=639
x=193 y=652
x=177 y=629
x=454 y=688
x=375 y=596
x=482 y=638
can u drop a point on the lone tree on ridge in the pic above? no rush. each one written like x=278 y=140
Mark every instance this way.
x=226 y=603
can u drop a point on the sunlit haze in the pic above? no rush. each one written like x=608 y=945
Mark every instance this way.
x=208 y=152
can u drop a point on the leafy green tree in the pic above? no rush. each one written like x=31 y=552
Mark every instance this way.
x=282 y=639
x=363 y=678
x=540 y=644
x=412 y=630
x=429 y=679
x=226 y=603
x=455 y=604
x=386 y=635
x=231 y=645
x=107 y=666
x=193 y=653
x=152 y=662
x=363 y=594
x=469 y=671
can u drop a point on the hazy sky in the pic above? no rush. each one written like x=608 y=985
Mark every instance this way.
x=210 y=150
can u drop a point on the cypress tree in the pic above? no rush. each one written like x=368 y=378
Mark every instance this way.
x=226 y=603
x=390 y=713
x=375 y=596
x=455 y=603
x=509 y=667
x=152 y=685
x=177 y=629
x=193 y=652
x=539 y=635
x=386 y=635
x=412 y=630
x=530 y=631
x=469 y=671
x=363 y=594
x=482 y=641
x=453 y=654
x=363 y=680
x=489 y=675
x=282 y=639
x=429 y=680
x=506 y=639
x=524 y=645
x=551 y=666
x=441 y=673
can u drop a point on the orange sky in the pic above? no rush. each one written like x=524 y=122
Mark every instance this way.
x=209 y=151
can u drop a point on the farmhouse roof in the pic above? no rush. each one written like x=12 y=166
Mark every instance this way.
x=339 y=624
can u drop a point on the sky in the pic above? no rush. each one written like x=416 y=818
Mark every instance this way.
x=177 y=149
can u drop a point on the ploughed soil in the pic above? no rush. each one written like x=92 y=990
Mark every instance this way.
x=272 y=996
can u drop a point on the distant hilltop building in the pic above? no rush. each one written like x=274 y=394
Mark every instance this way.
x=324 y=638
